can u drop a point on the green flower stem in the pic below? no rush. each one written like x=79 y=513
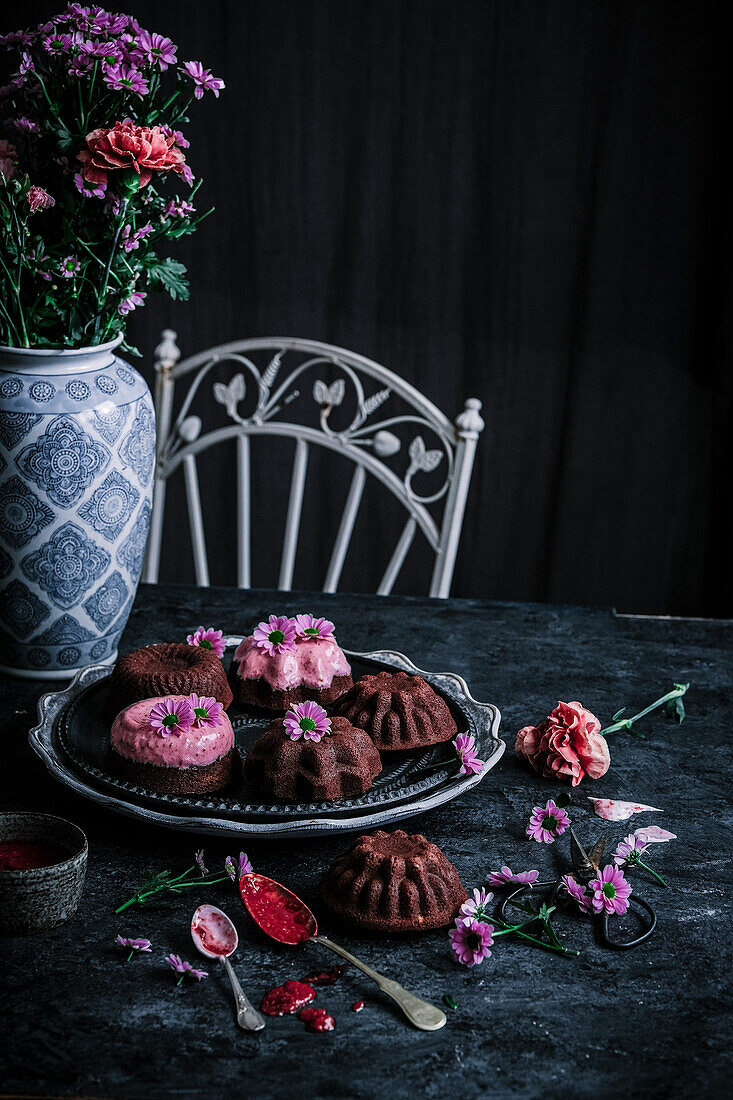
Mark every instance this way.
x=103 y=293
x=132 y=952
x=626 y=723
x=517 y=931
x=640 y=863
x=174 y=885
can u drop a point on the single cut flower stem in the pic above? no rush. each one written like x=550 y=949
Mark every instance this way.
x=173 y=885
x=627 y=723
x=103 y=293
x=640 y=863
x=132 y=952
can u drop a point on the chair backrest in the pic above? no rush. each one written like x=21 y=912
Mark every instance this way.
x=285 y=366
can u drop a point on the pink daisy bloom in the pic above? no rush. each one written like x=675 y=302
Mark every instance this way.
x=245 y=867
x=206 y=711
x=89 y=190
x=506 y=876
x=275 y=636
x=124 y=78
x=177 y=136
x=611 y=891
x=208 y=639
x=171 y=716
x=184 y=968
x=157 y=49
x=306 y=626
x=465 y=744
x=133 y=945
x=545 y=825
x=137 y=298
x=577 y=892
x=202 y=78
x=307 y=720
x=69 y=267
x=630 y=843
x=470 y=941
x=476 y=906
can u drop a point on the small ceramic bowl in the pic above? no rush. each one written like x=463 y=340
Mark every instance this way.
x=40 y=898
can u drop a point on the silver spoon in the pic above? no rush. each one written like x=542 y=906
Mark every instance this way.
x=209 y=926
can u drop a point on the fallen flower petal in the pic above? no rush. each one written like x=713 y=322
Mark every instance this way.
x=506 y=876
x=652 y=834
x=611 y=809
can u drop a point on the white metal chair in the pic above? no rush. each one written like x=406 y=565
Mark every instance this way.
x=288 y=364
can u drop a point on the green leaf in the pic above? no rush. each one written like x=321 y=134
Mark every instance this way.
x=618 y=714
x=675 y=709
x=449 y=1001
x=169 y=275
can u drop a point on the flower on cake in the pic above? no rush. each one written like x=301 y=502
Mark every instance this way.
x=547 y=823
x=567 y=745
x=506 y=876
x=277 y=635
x=465 y=745
x=577 y=891
x=470 y=941
x=307 y=720
x=184 y=968
x=206 y=711
x=208 y=638
x=245 y=867
x=171 y=716
x=309 y=627
x=132 y=945
x=611 y=891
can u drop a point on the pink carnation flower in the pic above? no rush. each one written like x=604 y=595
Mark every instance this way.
x=38 y=199
x=470 y=941
x=465 y=744
x=548 y=823
x=567 y=745
x=611 y=891
x=275 y=636
x=208 y=638
x=206 y=711
x=307 y=720
x=506 y=876
x=306 y=626
x=577 y=891
x=171 y=716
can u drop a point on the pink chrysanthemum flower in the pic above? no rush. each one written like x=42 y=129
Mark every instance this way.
x=202 y=78
x=506 y=876
x=465 y=744
x=476 y=906
x=132 y=945
x=548 y=823
x=307 y=720
x=184 y=968
x=158 y=50
x=69 y=267
x=611 y=891
x=171 y=716
x=576 y=890
x=276 y=635
x=206 y=711
x=124 y=78
x=208 y=639
x=245 y=867
x=89 y=190
x=137 y=298
x=307 y=626
x=630 y=843
x=470 y=941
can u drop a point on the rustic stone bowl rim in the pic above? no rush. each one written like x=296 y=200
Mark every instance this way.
x=79 y=853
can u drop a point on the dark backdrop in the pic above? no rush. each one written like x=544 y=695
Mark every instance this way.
x=521 y=200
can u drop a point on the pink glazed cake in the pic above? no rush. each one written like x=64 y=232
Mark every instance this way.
x=304 y=663
x=185 y=759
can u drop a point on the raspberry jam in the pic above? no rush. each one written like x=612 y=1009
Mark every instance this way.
x=326 y=977
x=357 y=1006
x=288 y=998
x=317 y=1019
x=17 y=855
x=279 y=912
x=214 y=930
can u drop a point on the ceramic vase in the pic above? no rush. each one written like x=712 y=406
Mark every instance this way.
x=77 y=450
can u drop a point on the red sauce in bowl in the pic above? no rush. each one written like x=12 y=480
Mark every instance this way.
x=19 y=855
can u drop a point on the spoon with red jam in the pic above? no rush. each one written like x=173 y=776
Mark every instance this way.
x=216 y=938
x=284 y=917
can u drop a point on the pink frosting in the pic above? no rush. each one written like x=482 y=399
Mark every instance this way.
x=132 y=737
x=313 y=663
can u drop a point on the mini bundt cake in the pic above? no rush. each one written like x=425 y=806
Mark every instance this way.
x=168 y=669
x=393 y=882
x=166 y=746
x=343 y=764
x=287 y=661
x=398 y=711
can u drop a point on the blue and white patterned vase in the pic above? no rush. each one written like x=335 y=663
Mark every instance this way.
x=77 y=450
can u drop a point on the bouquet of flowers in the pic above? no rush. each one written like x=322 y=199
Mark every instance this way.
x=93 y=176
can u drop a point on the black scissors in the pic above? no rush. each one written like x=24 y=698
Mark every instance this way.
x=585 y=867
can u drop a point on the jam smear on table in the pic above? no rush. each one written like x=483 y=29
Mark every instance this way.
x=326 y=977
x=357 y=1006
x=317 y=1019
x=287 y=998
x=17 y=855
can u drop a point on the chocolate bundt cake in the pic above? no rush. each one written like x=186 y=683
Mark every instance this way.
x=167 y=669
x=393 y=882
x=342 y=764
x=398 y=710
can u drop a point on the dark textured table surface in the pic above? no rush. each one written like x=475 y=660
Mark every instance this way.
x=76 y=1020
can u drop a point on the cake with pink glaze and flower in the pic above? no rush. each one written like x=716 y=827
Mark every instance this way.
x=286 y=661
x=176 y=744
